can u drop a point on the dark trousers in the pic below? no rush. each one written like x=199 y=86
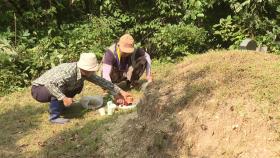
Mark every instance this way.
x=133 y=73
x=42 y=94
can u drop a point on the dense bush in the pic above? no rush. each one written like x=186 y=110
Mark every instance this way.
x=256 y=19
x=173 y=41
x=65 y=45
x=11 y=76
x=46 y=33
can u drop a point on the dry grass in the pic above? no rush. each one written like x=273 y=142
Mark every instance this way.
x=26 y=132
x=219 y=104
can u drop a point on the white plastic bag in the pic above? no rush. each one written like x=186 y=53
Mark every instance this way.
x=91 y=102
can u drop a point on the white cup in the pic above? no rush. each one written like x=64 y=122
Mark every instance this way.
x=111 y=107
x=101 y=111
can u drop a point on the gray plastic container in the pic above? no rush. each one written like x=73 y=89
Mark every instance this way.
x=91 y=102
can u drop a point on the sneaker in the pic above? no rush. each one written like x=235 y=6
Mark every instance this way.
x=59 y=120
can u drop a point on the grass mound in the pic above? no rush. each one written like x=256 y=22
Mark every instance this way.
x=220 y=104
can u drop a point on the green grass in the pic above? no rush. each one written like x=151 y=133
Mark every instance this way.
x=26 y=132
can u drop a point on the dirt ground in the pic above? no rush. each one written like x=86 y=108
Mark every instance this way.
x=220 y=104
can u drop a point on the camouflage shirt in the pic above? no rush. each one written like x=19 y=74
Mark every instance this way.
x=67 y=77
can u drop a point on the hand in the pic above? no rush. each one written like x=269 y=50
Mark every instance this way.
x=67 y=101
x=149 y=78
x=125 y=94
x=119 y=99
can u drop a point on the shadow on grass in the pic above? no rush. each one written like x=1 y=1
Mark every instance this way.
x=74 y=111
x=14 y=125
x=86 y=140
x=79 y=141
x=161 y=102
x=158 y=102
x=191 y=91
x=17 y=122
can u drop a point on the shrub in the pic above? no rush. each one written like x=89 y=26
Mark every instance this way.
x=11 y=77
x=173 y=41
x=39 y=54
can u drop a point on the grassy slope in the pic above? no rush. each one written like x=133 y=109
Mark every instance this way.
x=233 y=94
x=221 y=104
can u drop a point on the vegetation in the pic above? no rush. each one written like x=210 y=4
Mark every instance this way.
x=209 y=101
x=36 y=35
x=26 y=132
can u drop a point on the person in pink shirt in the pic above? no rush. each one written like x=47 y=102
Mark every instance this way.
x=123 y=62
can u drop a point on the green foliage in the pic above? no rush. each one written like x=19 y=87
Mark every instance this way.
x=95 y=35
x=173 y=41
x=39 y=54
x=270 y=39
x=12 y=77
x=229 y=31
x=46 y=33
x=195 y=10
x=257 y=19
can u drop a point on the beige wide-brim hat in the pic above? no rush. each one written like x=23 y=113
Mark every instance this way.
x=88 y=62
x=126 y=43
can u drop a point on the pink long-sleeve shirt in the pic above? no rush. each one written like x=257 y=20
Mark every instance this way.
x=109 y=61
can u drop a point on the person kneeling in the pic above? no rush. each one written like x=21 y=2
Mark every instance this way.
x=123 y=62
x=60 y=84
